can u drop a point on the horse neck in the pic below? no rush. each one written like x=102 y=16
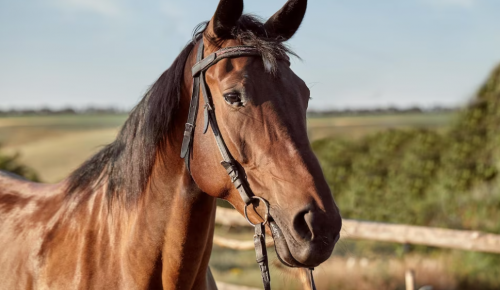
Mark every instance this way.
x=180 y=211
x=179 y=219
x=188 y=224
x=165 y=237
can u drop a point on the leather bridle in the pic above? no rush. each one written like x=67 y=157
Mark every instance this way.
x=237 y=177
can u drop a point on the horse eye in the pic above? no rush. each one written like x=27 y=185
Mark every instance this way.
x=233 y=98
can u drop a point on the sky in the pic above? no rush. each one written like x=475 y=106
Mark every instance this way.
x=355 y=53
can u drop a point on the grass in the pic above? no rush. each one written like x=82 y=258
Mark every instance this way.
x=19 y=130
x=240 y=268
x=56 y=145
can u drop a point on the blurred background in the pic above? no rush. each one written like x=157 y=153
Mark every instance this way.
x=404 y=116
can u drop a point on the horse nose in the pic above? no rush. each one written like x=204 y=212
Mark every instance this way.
x=311 y=224
x=316 y=233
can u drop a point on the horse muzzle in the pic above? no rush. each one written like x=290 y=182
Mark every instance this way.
x=306 y=253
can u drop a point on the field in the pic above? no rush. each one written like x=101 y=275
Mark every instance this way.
x=56 y=145
x=358 y=126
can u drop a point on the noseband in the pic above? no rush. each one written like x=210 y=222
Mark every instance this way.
x=237 y=178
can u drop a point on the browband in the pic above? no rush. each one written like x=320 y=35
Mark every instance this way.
x=228 y=52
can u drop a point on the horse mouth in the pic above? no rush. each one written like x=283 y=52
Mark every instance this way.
x=281 y=246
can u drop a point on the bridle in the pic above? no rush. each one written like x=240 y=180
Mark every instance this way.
x=229 y=163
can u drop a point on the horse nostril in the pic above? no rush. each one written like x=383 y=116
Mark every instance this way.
x=302 y=224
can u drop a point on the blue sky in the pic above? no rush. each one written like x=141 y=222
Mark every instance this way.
x=356 y=53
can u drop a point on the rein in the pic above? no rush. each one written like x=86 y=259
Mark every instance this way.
x=237 y=178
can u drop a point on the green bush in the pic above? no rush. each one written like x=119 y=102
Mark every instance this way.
x=11 y=163
x=383 y=177
x=421 y=177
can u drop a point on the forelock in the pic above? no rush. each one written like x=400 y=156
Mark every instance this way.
x=250 y=31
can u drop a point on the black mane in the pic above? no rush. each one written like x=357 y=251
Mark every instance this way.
x=127 y=163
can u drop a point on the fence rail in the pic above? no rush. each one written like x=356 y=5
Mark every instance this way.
x=383 y=232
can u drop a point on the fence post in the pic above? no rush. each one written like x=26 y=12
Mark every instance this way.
x=410 y=279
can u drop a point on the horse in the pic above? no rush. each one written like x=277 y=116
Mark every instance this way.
x=137 y=216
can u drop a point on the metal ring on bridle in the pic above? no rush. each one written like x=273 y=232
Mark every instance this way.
x=266 y=217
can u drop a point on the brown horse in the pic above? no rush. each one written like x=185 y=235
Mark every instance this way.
x=134 y=217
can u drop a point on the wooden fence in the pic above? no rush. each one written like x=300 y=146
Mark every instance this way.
x=383 y=232
x=375 y=231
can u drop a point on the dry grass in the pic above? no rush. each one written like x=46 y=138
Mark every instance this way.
x=354 y=127
x=56 y=145
x=346 y=273
x=55 y=156
x=368 y=274
x=355 y=265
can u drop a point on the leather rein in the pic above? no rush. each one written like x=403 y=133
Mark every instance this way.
x=237 y=177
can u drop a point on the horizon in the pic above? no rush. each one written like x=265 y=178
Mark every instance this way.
x=116 y=110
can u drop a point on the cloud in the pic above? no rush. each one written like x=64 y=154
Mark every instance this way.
x=109 y=8
x=457 y=3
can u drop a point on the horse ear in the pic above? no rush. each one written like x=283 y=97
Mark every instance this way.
x=226 y=17
x=284 y=23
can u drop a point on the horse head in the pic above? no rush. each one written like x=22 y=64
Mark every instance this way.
x=260 y=106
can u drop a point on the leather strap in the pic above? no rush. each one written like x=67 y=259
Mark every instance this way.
x=311 y=278
x=228 y=52
x=259 y=240
x=227 y=162
x=193 y=112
